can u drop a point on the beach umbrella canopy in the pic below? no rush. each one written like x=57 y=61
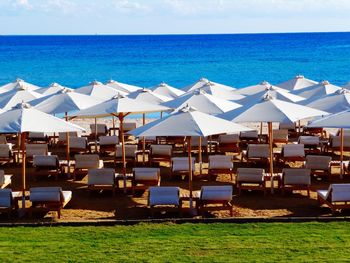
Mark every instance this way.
x=66 y=101
x=52 y=89
x=203 y=102
x=333 y=103
x=273 y=93
x=347 y=86
x=251 y=90
x=167 y=91
x=316 y=91
x=99 y=90
x=20 y=94
x=221 y=91
x=122 y=86
x=203 y=81
x=297 y=83
x=147 y=95
x=18 y=84
x=188 y=122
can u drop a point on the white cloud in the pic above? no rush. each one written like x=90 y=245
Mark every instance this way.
x=128 y=6
x=65 y=6
x=22 y=4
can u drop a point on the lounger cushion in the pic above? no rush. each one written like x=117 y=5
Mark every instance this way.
x=249 y=134
x=105 y=176
x=229 y=138
x=335 y=141
x=297 y=176
x=309 y=140
x=216 y=193
x=318 y=162
x=109 y=140
x=128 y=126
x=293 y=150
x=130 y=151
x=258 y=151
x=181 y=164
x=101 y=128
x=220 y=162
x=5 y=198
x=45 y=194
x=340 y=192
x=5 y=151
x=250 y=175
x=78 y=142
x=62 y=136
x=146 y=174
x=45 y=160
x=163 y=150
x=36 y=149
x=164 y=195
x=87 y=161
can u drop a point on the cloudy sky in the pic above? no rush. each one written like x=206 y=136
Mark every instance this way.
x=172 y=16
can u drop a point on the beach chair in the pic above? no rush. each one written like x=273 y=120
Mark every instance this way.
x=46 y=165
x=215 y=195
x=311 y=143
x=143 y=177
x=229 y=143
x=7 y=203
x=6 y=154
x=38 y=137
x=293 y=153
x=108 y=143
x=35 y=149
x=101 y=130
x=195 y=144
x=49 y=199
x=84 y=162
x=319 y=165
x=5 y=180
x=128 y=126
x=290 y=127
x=280 y=136
x=257 y=152
x=334 y=143
x=62 y=137
x=249 y=136
x=296 y=179
x=160 y=153
x=3 y=139
x=220 y=164
x=78 y=145
x=337 y=197
x=102 y=179
x=130 y=154
x=251 y=179
x=165 y=197
x=179 y=166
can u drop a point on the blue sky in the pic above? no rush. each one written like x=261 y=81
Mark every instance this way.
x=172 y=16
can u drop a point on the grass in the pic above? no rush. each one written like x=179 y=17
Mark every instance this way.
x=178 y=243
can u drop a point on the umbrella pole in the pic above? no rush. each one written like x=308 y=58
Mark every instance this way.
x=271 y=154
x=190 y=169
x=299 y=128
x=200 y=154
x=96 y=134
x=143 y=140
x=113 y=125
x=341 y=151
x=121 y=119
x=18 y=144
x=161 y=114
x=23 y=137
x=261 y=131
x=67 y=149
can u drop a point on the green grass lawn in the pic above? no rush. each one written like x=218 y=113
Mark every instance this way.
x=182 y=243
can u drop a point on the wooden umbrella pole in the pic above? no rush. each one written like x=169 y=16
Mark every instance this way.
x=341 y=151
x=67 y=149
x=95 y=134
x=271 y=154
x=189 y=169
x=161 y=114
x=200 y=153
x=121 y=119
x=113 y=125
x=143 y=140
x=261 y=131
x=299 y=128
x=23 y=137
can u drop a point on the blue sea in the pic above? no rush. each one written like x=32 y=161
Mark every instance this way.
x=145 y=60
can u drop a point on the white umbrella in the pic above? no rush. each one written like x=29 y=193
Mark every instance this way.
x=203 y=102
x=147 y=95
x=52 y=89
x=188 y=122
x=203 y=81
x=167 y=91
x=221 y=91
x=297 y=83
x=338 y=120
x=20 y=94
x=273 y=93
x=251 y=90
x=316 y=91
x=272 y=110
x=23 y=118
x=99 y=90
x=17 y=84
x=333 y=103
x=122 y=86
x=120 y=108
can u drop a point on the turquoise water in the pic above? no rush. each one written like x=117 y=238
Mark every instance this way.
x=236 y=60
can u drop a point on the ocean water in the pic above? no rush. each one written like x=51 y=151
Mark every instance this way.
x=237 y=60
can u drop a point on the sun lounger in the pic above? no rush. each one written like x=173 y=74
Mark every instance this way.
x=38 y=137
x=128 y=126
x=296 y=179
x=62 y=137
x=6 y=154
x=7 y=203
x=130 y=153
x=249 y=136
x=161 y=153
x=143 y=177
x=179 y=166
x=319 y=165
x=49 y=199
x=78 y=145
x=337 y=197
x=312 y=143
x=293 y=153
x=47 y=165
x=229 y=143
x=219 y=194
x=101 y=130
x=35 y=149
x=334 y=143
x=280 y=136
x=251 y=179
x=164 y=196
x=220 y=164
x=102 y=179
x=5 y=180
x=3 y=139
x=108 y=143
x=195 y=144
x=257 y=152
x=84 y=162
